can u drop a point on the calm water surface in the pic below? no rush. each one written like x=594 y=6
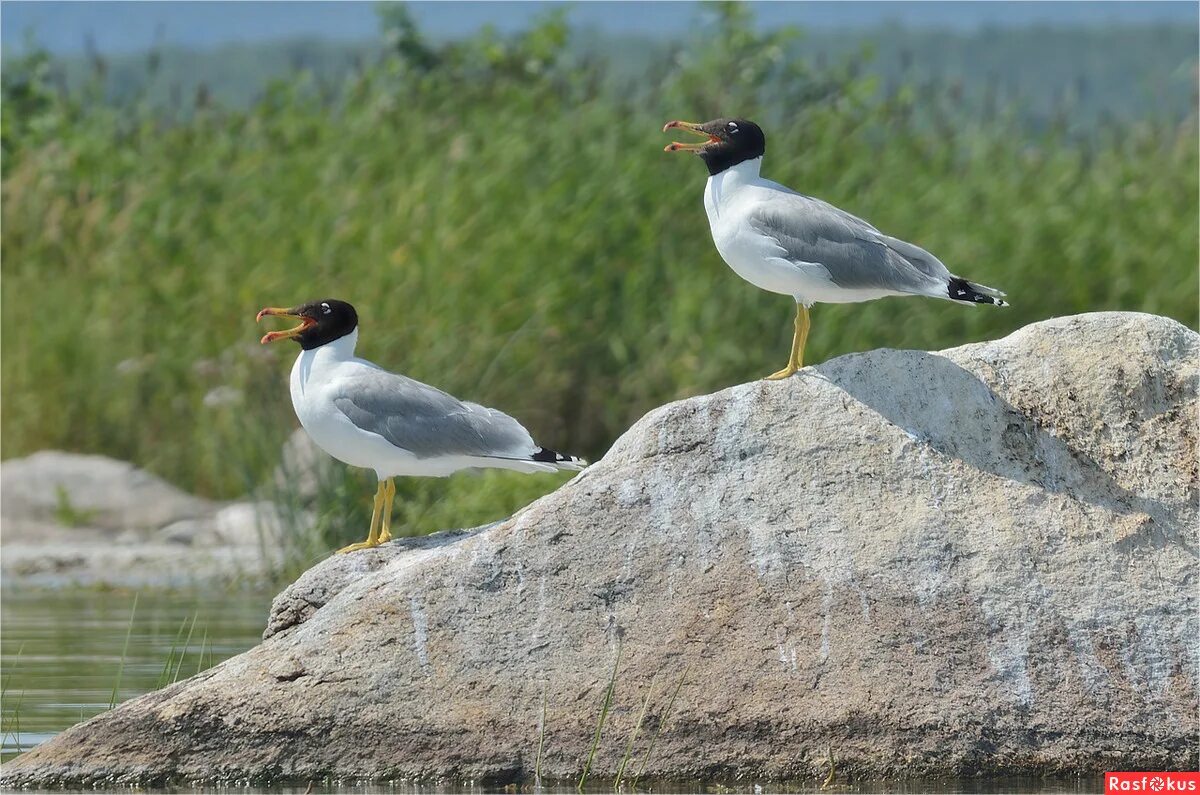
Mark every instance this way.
x=61 y=651
x=61 y=656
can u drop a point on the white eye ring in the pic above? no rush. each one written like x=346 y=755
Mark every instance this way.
x=325 y=308
x=732 y=126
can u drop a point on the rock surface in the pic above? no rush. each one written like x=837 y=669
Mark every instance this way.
x=979 y=561
x=303 y=466
x=91 y=490
x=71 y=519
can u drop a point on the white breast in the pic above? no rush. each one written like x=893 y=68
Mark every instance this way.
x=313 y=385
x=729 y=200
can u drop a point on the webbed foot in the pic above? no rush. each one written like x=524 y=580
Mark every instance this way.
x=786 y=372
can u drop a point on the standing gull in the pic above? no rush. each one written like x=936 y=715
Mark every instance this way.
x=365 y=416
x=785 y=242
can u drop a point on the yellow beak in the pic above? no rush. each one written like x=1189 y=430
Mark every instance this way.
x=675 y=146
x=287 y=334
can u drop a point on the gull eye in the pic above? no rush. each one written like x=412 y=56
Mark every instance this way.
x=325 y=308
x=732 y=127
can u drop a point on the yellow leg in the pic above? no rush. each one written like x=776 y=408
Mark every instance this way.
x=389 y=494
x=376 y=514
x=799 y=338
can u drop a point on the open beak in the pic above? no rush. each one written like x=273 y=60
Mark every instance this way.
x=675 y=146
x=287 y=334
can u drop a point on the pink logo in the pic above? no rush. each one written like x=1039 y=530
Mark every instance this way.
x=1166 y=782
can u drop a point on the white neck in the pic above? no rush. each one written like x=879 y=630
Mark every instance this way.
x=331 y=353
x=732 y=178
x=721 y=187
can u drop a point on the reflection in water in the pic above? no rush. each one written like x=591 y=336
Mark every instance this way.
x=62 y=653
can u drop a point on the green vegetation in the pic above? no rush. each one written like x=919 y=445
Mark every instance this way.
x=608 y=697
x=537 y=763
x=67 y=514
x=633 y=736
x=116 y=691
x=10 y=718
x=662 y=725
x=510 y=230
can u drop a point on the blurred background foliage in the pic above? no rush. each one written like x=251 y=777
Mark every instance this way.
x=500 y=211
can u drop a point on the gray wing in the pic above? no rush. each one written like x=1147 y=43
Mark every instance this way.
x=428 y=422
x=856 y=254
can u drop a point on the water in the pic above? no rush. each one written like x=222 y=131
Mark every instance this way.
x=61 y=656
x=61 y=651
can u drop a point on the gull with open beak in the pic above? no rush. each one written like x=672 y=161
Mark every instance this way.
x=366 y=417
x=784 y=242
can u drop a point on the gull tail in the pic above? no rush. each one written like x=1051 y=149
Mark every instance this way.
x=971 y=293
x=559 y=460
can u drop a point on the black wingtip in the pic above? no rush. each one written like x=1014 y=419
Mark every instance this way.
x=962 y=290
x=547 y=456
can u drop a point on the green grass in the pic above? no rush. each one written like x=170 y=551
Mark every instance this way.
x=10 y=719
x=116 y=691
x=537 y=764
x=604 y=708
x=180 y=646
x=67 y=514
x=662 y=726
x=514 y=234
x=633 y=736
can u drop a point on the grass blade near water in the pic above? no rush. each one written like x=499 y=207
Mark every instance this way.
x=637 y=729
x=112 y=701
x=537 y=765
x=203 y=647
x=612 y=683
x=13 y=724
x=165 y=674
x=183 y=652
x=661 y=727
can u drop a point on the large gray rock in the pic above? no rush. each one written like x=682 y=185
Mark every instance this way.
x=89 y=490
x=69 y=519
x=240 y=542
x=980 y=561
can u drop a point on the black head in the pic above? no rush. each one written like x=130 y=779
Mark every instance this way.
x=730 y=141
x=321 y=322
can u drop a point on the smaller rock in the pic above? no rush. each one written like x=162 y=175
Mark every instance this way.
x=303 y=466
x=255 y=523
x=240 y=524
x=93 y=491
x=125 y=536
x=187 y=532
x=89 y=520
